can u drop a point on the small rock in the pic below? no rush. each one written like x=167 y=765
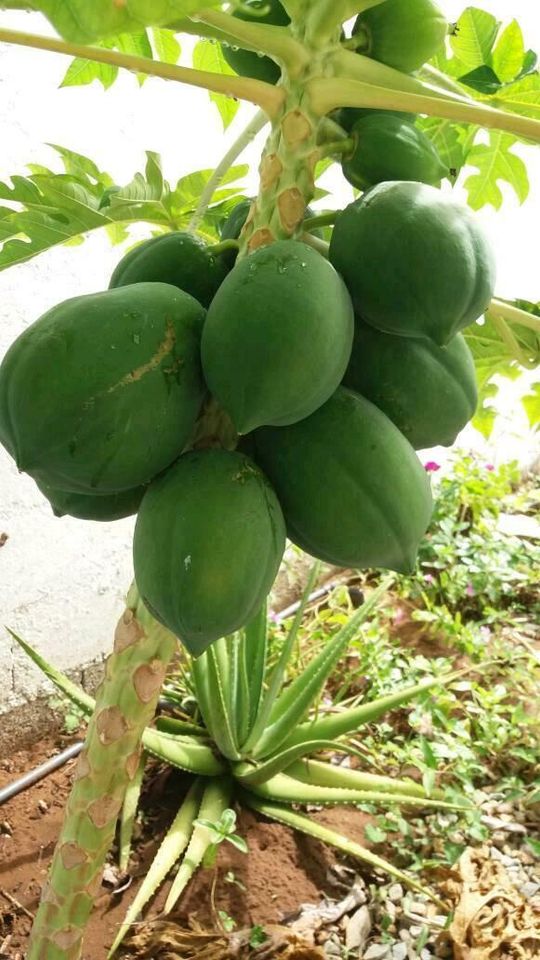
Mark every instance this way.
x=377 y=951
x=332 y=949
x=5 y=827
x=415 y=931
x=399 y=951
x=529 y=889
x=418 y=908
x=426 y=954
x=395 y=893
x=358 y=930
x=43 y=806
x=405 y=936
x=498 y=838
x=391 y=909
x=496 y=854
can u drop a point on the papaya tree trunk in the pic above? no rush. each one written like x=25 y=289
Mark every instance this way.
x=125 y=704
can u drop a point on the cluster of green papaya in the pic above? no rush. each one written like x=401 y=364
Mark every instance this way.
x=331 y=371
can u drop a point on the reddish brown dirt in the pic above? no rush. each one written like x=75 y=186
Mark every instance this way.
x=281 y=871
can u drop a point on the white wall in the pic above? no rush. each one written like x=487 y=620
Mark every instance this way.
x=62 y=581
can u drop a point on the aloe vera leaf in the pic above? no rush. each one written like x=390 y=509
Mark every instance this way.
x=285 y=789
x=294 y=702
x=254 y=649
x=215 y=800
x=219 y=690
x=303 y=824
x=125 y=704
x=210 y=699
x=174 y=725
x=333 y=775
x=348 y=721
x=278 y=674
x=252 y=773
x=129 y=812
x=171 y=848
x=73 y=692
x=185 y=753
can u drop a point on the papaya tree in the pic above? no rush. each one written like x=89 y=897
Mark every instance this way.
x=243 y=378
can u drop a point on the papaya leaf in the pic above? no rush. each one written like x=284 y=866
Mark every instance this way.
x=531 y=404
x=509 y=53
x=81 y=21
x=209 y=56
x=522 y=96
x=483 y=79
x=473 y=37
x=495 y=161
x=448 y=139
x=166 y=46
x=81 y=71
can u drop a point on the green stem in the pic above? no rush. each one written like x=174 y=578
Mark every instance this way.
x=222 y=247
x=256 y=124
x=514 y=314
x=321 y=220
x=264 y=95
x=275 y=42
x=328 y=95
x=338 y=146
x=125 y=705
x=356 y=66
x=509 y=339
x=319 y=245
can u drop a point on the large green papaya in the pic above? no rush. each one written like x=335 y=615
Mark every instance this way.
x=208 y=543
x=102 y=392
x=248 y=63
x=346 y=117
x=401 y=33
x=415 y=262
x=84 y=506
x=278 y=336
x=178 y=258
x=429 y=392
x=388 y=147
x=351 y=486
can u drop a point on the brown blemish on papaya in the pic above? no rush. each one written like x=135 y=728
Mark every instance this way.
x=82 y=768
x=165 y=348
x=49 y=895
x=94 y=885
x=72 y=855
x=66 y=938
x=296 y=128
x=291 y=207
x=147 y=680
x=270 y=170
x=103 y=810
x=132 y=764
x=111 y=725
x=128 y=632
x=261 y=238
x=311 y=163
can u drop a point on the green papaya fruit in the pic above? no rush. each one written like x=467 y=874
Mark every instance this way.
x=391 y=148
x=404 y=34
x=346 y=117
x=415 y=262
x=208 y=543
x=246 y=62
x=429 y=392
x=102 y=392
x=351 y=487
x=177 y=258
x=278 y=336
x=84 y=506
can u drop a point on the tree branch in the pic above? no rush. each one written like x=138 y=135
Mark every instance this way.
x=327 y=95
x=274 y=41
x=256 y=124
x=264 y=95
x=514 y=314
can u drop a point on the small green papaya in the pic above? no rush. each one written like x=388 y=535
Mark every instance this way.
x=178 y=258
x=387 y=147
x=415 y=262
x=84 y=506
x=429 y=392
x=102 y=392
x=346 y=117
x=208 y=543
x=404 y=34
x=278 y=336
x=246 y=62
x=351 y=487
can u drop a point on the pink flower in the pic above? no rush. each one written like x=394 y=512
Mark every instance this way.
x=490 y=467
x=429 y=578
x=469 y=590
x=431 y=466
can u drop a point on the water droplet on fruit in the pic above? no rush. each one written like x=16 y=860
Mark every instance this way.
x=136 y=338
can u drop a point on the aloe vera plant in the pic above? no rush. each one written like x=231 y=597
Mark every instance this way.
x=256 y=743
